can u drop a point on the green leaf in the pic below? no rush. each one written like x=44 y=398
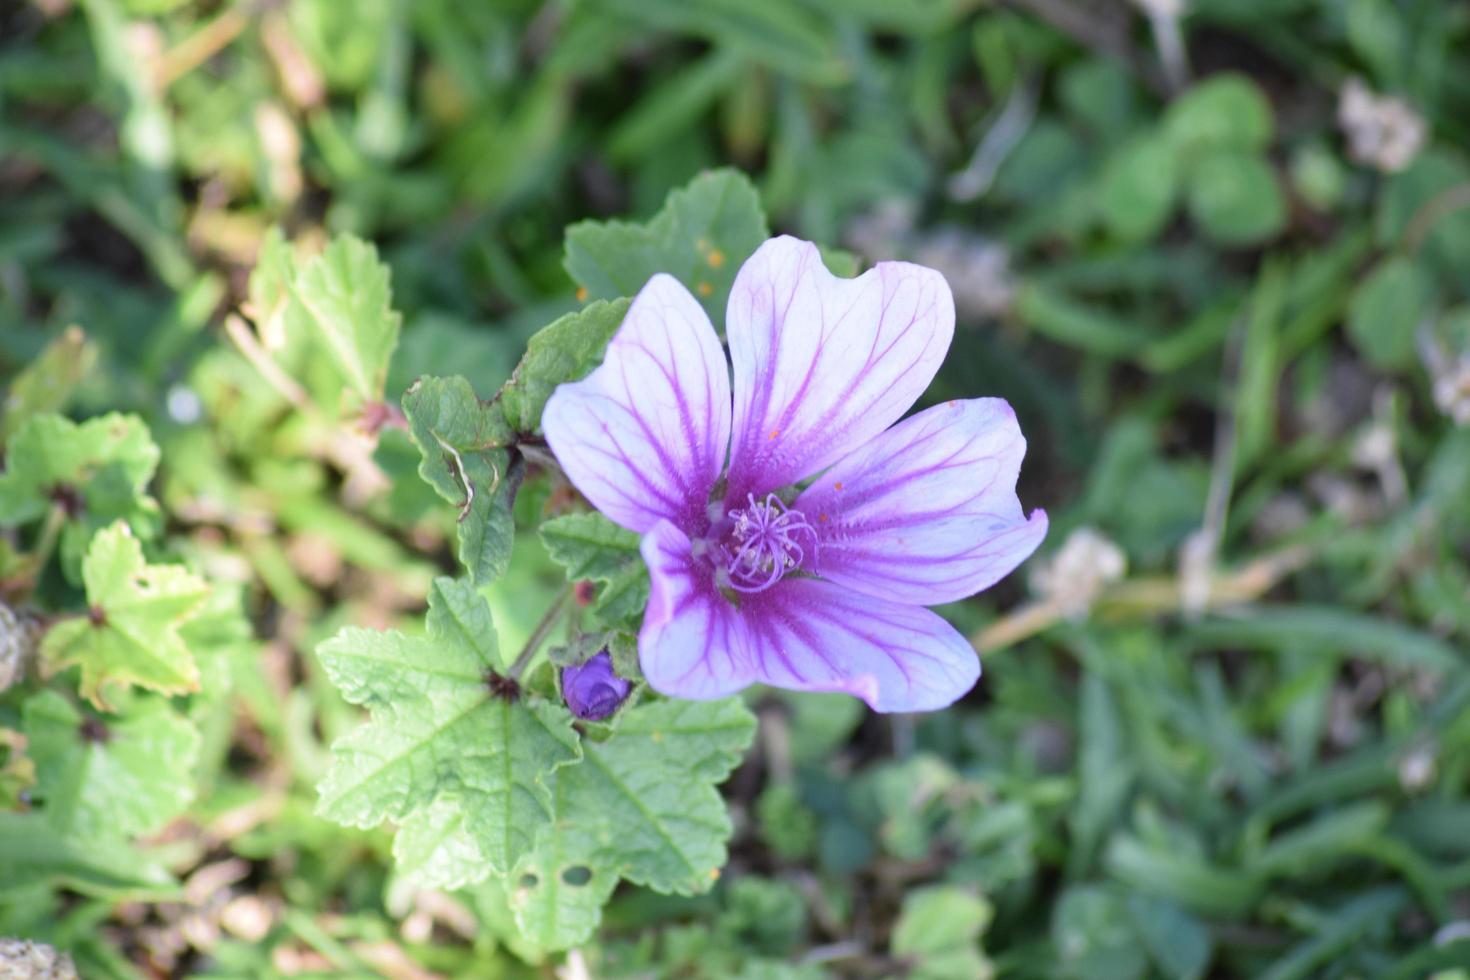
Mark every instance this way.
x=461 y=441
x=131 y=635
x=1386 y=309
x=1061 y=318
x=1139 y=186
x=778 y=34
x=566 y=350
x=938 y=934
x=32 y=852
x=434 y=850
x=1178 y=943
x=438 y=733
x=1235 y=198
x=641 y=806
x=1094 y=936
x=48 y=383
x=343 y=297
x=122 y=776
x=591 y=547
x=96 y=472
x=1226 y=111
x=1329 y=630
x=701 y=236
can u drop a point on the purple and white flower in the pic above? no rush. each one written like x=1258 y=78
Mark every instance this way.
x=807 y=561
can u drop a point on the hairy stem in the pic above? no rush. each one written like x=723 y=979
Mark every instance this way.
x=540 y=633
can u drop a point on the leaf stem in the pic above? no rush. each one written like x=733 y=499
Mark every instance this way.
x=540 y=633
x=37 y=560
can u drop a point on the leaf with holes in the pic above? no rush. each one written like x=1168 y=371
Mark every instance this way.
x=131 y=635
x=642 y=806
x=100 y=778
x=462 y=444
x=443 y=731
x=95 y=472
x=592 y=548
x=565 y=350
x=701 y=236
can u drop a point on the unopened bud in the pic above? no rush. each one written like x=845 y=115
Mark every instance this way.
x=593 y=690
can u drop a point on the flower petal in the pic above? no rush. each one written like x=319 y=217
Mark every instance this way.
x=927 y=512
x=810 y=635
x=824 y=364
x=803 y=634
x=644 y=436
x=692 y=644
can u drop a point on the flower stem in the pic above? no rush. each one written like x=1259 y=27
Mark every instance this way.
x=540 y=633
x=37 y=560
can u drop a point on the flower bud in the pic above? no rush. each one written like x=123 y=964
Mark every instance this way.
x=593 y=690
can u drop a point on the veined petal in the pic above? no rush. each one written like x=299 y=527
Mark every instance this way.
x=824 y=364
x=927 y=512
x=810 y=635
x=643 y=437
x=803 y=634
x=692 y=644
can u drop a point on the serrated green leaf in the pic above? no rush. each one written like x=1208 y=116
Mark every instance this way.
x=123 y=776
x=131 y=635
x=438 y=735
x=938 y=934
x=434 y=850
x=461 y=441
x=701 y=236
x=95 y=471
x=589 y=546
x=346 y=301
x=566 y=350
x=47 y=384
x=641 y=806
x=592 y=548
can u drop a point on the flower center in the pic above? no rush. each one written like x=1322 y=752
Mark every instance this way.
x=761 y=542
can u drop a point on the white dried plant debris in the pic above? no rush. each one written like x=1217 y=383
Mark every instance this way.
x=1074 y=578
x=1449 y=377
x=1417 y=768
x=1376 y=449
x=1382 y=131
x=21 y=959
x=977 y=268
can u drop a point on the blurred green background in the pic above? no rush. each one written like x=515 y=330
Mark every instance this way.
x=1217 y=255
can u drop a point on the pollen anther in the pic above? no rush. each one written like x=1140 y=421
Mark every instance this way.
x=763 y=542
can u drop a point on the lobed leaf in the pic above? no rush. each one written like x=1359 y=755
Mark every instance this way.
x=642 y=806
x=439 y=735
x=463 y=457
x=131 y=634
x=100 y=779
x=566 y=350
x=701 y=236
x=591 y=547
